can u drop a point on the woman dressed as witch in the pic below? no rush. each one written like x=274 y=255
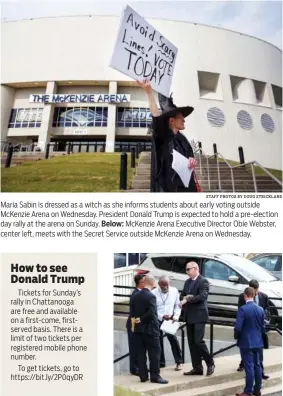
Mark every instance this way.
x=166 y=136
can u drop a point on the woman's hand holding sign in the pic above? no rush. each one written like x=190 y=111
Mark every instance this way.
x=145 y=84
x=192 y=163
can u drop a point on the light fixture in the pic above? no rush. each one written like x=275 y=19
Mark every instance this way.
x=36 y=83
x=70 y=82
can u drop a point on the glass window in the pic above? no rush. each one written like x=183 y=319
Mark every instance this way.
x=25 y=118
x=180 y=263
x=216 y=270
x=13 y=117
x=268 y=262
x=164 y=263
x=251 y=270
x=120 y=260
x=104 y=116
x=142 y=256
x=127 y=145
x=80 y=117
x=133 y=259
x=135 y=117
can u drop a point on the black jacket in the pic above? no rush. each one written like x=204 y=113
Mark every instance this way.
x=128 y=323
x=196 y=310
x=144 y=307
x=262 y=300
x=163 y=177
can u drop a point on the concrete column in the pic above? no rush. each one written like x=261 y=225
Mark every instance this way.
x=47 y=117
x=7 y=102
x=111 y=124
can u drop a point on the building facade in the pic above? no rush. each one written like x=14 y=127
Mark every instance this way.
x=57 y=87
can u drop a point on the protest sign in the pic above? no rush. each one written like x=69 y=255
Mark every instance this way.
x=141 y=52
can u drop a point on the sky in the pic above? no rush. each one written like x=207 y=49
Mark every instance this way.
x=262 y=19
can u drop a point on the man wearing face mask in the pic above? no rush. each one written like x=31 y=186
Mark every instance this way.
x=167 y=301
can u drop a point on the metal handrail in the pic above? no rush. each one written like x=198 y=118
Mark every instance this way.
x=215 y=303
x=252 y=163
x=211 y=323
x=211 y=294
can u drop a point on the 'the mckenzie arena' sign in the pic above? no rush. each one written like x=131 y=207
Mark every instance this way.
x=81 y=98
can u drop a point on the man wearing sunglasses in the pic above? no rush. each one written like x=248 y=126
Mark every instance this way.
x=194 y=299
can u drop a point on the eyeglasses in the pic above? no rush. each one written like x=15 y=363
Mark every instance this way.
x=188 y=269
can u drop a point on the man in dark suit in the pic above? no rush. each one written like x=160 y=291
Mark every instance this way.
x=261 y=300
x=249 y=332
x=139 y=281
x=146 y=332
x=194 y=299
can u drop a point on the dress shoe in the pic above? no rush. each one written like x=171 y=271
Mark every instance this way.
x=240 y=368
x=193 y=372
x=210 y=369
x=159 y=381
x=244 y=394
x=264 y=376
x=179 y=367
x=257 y=393
x=144 y=380
x=162 y=365
x=135 y=373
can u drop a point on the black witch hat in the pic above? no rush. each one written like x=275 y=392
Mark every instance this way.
x=170 y=110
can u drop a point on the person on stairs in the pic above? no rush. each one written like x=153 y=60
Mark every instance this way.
x=139 y=281
x=168 y=301
x=146 y=332
x=194 y=299
x=262 y=300
x=249 y=331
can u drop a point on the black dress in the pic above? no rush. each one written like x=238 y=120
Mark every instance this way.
x=163 y=176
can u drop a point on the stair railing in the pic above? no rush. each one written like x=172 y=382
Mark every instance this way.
x=232 y=168
x=199 y=152
x=255 y=163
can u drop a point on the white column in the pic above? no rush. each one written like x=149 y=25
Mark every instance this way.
x=47 y=117
x=111 y=123
x=7 y=101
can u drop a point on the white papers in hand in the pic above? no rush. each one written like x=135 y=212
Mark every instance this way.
x=180 y=166
x=170 y=327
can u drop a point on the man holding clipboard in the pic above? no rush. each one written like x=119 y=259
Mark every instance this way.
x=168 y=311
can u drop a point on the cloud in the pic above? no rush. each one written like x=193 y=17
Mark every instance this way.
x=257 y=18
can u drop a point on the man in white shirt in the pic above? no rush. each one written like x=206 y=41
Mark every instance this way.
x=168 y=301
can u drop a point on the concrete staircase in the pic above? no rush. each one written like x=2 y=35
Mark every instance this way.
x=242 y=177
x=225 y=381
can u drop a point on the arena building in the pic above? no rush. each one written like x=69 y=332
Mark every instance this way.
x=57 y=87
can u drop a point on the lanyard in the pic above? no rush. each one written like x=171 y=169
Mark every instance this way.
x=163 y=300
